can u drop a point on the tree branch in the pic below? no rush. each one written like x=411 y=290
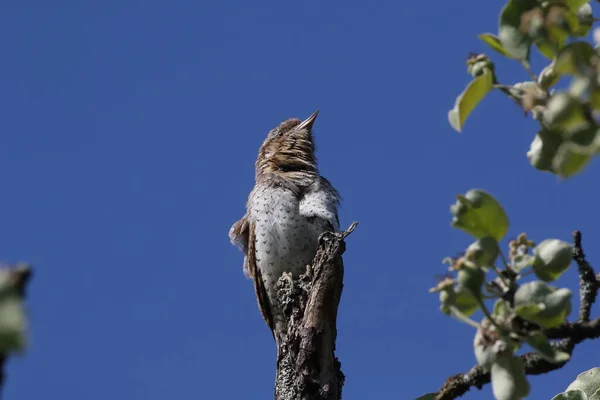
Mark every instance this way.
x=588 y=282
x=570 y=334
x=307 y=368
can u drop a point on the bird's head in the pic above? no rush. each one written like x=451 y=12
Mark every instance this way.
x=289 y=150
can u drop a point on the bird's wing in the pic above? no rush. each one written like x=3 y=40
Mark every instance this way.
x=321 y=200
x=242 y=235
x=238 y=235
x=259 y=285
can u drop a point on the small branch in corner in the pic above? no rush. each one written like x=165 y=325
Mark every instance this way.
x=570 y=334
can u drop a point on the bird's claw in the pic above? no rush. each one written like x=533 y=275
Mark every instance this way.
x=309 y=271
x=326 y=236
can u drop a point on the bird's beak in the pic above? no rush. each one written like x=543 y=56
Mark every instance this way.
x=308 y=122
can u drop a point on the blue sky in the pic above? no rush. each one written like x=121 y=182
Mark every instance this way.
x=129 y=131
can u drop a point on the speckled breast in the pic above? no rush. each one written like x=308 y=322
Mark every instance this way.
x=285 y=240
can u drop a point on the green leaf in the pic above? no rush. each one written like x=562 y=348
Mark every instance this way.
x=513 y=40
x=13 y=319
x=588 y=382
x=466 y=102
x=568 y=161
x=522 y=261
x=548 y=77
x=13 y=324
x=509 y=381
x=465 y=302
x=557 y=306
x=542 y=346
x=595 y=98
x=552 y=258
x=571 y=395
x=501 y=309
x=447 y=300
x=529 y=311
x=458 y=299
x=585 y=17
x=564 y=153
x=471 y=278
x=565 y=111
x=543 y=149
x=559 y=32
x=479 y=214
x=545 y=49
x=585 y=140
x=494 y=42
x=573 y=58
x=546 y=306
x=484 y=251
x=428 y=396
x=576 y=4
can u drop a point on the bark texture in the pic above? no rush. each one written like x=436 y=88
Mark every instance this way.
x=307 y=368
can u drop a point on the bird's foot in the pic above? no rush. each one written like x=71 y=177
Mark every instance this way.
x=326 y=236
x=309 y=271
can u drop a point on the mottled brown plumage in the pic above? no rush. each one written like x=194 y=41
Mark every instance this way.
x=288 y=208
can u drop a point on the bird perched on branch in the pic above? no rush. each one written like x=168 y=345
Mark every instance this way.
x=288 y=208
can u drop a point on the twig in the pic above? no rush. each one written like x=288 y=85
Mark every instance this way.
x=577 y=332
x=525 y=65
x=588 y=284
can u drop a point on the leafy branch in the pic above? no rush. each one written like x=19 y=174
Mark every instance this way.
x=570 y=334
x=528 y=312
x=569 y=129
x=523 y=311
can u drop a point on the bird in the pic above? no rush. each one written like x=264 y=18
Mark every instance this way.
x=289 y=207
